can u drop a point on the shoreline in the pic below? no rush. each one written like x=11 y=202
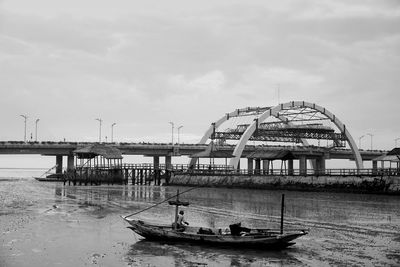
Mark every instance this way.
x=384 y=185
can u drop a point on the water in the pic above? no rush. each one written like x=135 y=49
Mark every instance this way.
x=48 y=224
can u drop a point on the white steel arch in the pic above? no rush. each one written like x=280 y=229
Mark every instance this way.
x=275 y=112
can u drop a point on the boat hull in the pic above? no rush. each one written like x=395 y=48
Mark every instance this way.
x=45 y=179
x=256 y=238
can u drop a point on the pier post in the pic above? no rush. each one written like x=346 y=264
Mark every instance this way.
x=374 y=167
x=303 y=165
x=249 y=166
x=320 y=165
x=141 y=177
x=126 y=176
x=258 y=166
x=168 y=162
x=133 y=176
x=156 y=162
x=265 y=166
x=70 y=163
x=59 y=162
x=290 y=167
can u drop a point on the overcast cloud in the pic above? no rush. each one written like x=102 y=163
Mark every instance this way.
x=142 y=64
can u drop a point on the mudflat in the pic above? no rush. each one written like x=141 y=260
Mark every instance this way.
x=49 y=224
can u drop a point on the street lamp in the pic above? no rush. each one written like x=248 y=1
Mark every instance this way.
x=359 y=141
x=370 y=135
x=36 y=122
x=180 y=127
x=112 y=131
x=25 y=118
x=100 y=121
x=172 y=129
x=395 y=141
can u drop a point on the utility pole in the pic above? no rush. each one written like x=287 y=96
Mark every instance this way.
x=172 y=129
x=370 y=135
x=112 y=131
x=359 y=141
x=25 y=118
x=36 y=122
x=180 y=127
x=100 y=122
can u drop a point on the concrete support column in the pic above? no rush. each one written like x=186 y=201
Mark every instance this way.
x=303 y=165
x=265 y=166
x=250 y=165
x=59 y=162
x=258 y=166
x=156 y=162
x=374 y=167
x=290 y=167
x=320 y=165
x=70 y=163
x=168 y=162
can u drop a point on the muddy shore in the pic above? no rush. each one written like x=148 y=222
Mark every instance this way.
x=48 y=224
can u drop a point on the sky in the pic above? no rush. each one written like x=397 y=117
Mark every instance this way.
x=143 y=64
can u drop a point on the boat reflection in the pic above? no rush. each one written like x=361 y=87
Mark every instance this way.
x=156 y=253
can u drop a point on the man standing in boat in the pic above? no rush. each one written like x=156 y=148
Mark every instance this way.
x=181 y=222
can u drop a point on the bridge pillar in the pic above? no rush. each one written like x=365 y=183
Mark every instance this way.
x=290 y=167
x=320 y=163
x=374 y=167
x=59 y=162
x=265 y=166
x=258 y=166
x=303 y=165
x=168 y=160
x=70 y=163
x=156 y=162
x=249 y=165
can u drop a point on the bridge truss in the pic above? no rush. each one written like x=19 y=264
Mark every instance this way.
x=292 y=122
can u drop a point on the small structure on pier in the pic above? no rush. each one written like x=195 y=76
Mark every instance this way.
x=97 y=163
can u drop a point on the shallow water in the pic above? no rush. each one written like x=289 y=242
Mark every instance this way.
x=48 y=224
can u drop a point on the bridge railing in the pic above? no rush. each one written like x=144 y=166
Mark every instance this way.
x=293 y=172
x=215 y=169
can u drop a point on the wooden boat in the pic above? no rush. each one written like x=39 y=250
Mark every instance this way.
x=48 y=179
x=51 y=177
x=236 y=235
x=256 y=238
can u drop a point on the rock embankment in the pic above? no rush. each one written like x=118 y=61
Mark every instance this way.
x=356 y=184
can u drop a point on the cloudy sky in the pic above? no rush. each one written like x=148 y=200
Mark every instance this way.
x=143 y=64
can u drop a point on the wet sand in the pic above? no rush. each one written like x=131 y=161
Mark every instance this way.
x=48 y=224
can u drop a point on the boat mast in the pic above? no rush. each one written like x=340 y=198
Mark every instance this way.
x=282 y=211
x=176 y=210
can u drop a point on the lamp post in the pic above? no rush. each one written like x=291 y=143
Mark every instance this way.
x=36 y=122
x=359 y=141
x=112 y=131
x=179 y=128
x=25 y=118
x=172 y=132
x=370 y=135
x=395 y=141
x=100 y=122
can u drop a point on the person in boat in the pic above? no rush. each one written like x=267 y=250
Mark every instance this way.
x=181 y=222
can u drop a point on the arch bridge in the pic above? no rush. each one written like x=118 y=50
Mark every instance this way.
x=296 y=122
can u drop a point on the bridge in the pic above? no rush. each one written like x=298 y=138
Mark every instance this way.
x=295 y=130
x=167 y=150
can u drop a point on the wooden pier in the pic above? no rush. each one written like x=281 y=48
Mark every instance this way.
x=135 y=174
